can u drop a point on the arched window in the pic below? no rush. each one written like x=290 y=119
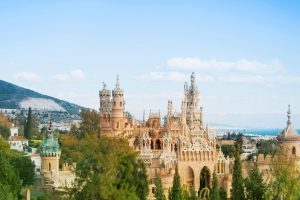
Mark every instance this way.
x=136 y=142
x=152 y=146
x=120 y=103
x=294 y=151
x=157 y=144
x=49 y=167
x=114 y=103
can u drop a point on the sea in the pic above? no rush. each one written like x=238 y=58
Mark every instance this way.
x=256 y=131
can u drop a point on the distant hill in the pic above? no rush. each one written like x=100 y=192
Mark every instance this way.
x=15 y=97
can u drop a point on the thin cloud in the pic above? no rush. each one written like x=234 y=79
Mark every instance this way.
x=28 y=76
x=163 y=76
x=242 y=71
x=76 y=74
x=239 y=66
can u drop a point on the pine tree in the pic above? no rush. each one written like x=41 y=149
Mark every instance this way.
x=28 y=125
x=185 y=193
x=222 y=193
x=159 y=192
x=255 y=186
x=215 y=188
x=238 y=181
x=176 y=191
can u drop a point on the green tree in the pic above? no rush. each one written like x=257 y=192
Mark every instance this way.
x=215 y=188
x=89 y=123
x=107 y=168
x=239 y=143
x=6 y=193
x=223 y=195
x=159 y=192
x=228 y=150
x=28 y=128
x=176 y=191
x=9 y=177
x=237 y=190
x=141 y=180
x=4 y=132
x=255 y=186
x=286 y=181
x=185 y=193
x=25 y=168
x=193 y=195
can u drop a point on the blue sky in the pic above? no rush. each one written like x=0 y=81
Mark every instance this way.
x=245 y=54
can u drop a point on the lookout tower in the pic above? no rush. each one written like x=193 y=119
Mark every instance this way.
x=50 y=154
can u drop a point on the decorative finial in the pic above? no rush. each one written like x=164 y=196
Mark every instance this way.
x=193 y=78
x=289 y=115
x=104 y=85
x=117 y=83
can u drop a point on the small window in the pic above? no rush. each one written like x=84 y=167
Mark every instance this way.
x=294 y=151
x=153 y=190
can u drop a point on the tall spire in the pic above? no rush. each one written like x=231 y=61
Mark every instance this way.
x=289 y=115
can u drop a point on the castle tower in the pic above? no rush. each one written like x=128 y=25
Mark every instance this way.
x=50 y=154
x=105 y=109
x=117 y=111
x=289 y=139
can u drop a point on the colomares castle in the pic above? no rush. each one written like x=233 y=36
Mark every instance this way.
x=183 y=140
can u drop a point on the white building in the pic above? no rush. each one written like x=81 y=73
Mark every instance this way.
x=14 y=131
x=18 y=143
x=248 y=149
x=36 y=159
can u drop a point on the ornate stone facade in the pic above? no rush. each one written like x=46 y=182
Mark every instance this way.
x=183 y=140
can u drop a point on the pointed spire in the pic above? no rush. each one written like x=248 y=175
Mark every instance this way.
x=289 y=115
x=104 y=85
x=193 y=79
x=117 y=83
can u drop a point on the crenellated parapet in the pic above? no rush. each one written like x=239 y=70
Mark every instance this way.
x=196 y=156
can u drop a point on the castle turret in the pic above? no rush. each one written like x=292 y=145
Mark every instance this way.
x=105 y=109
x=50 y=154
x=289 y=139
x=117 y=111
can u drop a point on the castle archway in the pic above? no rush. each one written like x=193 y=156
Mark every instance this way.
x=189 y=177
x=204 y=178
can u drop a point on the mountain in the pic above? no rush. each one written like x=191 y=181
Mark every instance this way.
x=15 y=97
